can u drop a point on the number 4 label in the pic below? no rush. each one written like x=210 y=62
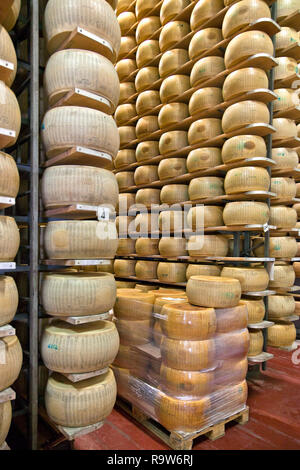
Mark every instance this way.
x=103 y=213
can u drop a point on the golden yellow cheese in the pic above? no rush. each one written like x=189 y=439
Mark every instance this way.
x=280 y=247
x=146 y=126
x=285 y=128
x=80 y=404
x=281 y=306
x=171 y=8
x=284 y=276
x=171 y=167
x=125 y=179
x=145 y=78
x=124 y=357
x=147 y=246
x=286 y=98
x=171 y=272
x=70 y=126
x=172 y=33
x=146 y=28
x=168 y=297
x=126 y=200
x=187 y=355
x=124 y=113
x=5 y=420
x=124 y=267
x=146 y=287
x=256 y=343
x=126 y=246
x=146 y=101
x=125 y=224
x=205 y=98
x=8 y=53
x=174 y=193
x=10 y=115
x=206 y=69
x=145 y=223
x=231 y=319
x=127 y=44
x=9 y=299
x=242 y=147
x=76 y=239
x=208 y=245
x=251 y=279
x=126 y=134
x=172 y=141
x=145 y=174
x=256 y=310
x=134 y=332
x=146 y=269
x=233 y=345
x=124 y=157
x=143 y=8
x=283 y=187
x=202 y=270
x=9 y=238
x=297 y=208
x=125 y=285
x=97 y=17
x=171 y=60
x=131 y=304
x=204 y=40
x=248 y=178
x=204 y=129
x=9 y=176
x=77 y=294
x=122 y=376
x=244 y=80
x=285 y=158
x=127 y=20
x=173 y=87
x=203 y=158
x=243 y=114
x=230 y=372
x=11 y=366
x=171 y=220
x=287 y=67
x=12 y=15
x=286 y=37
x=180 y=383
x=147 y=150
x=124 y=5
x=246 y=213
x=242 y=14
x=172 y=113
x=205 y=10
x=245 y=45
x=281 y=334
x=205 y=216
x=148 y=196
x=213 y=291
x=206 y=186
x=172 y=247
x=65 y=185
x=125 y=68
x=283 y=217
x=286 y=8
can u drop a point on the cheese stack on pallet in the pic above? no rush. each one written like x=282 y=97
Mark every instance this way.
x=81 y=140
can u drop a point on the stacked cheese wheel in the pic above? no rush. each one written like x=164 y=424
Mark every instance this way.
x=85 y=347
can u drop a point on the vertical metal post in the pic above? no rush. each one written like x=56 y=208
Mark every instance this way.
x=34 y=223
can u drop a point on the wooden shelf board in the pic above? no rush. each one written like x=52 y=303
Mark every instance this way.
x=263 y=357
x=291 y=21
x=75 y=211
x=7 y=330
x=264 y=293
x=84 y=319
x=6 y=68
x=290 y=142
x=260 y=326
x=80 y=97
x=6 y=202
x=292 y=51
x=203 y=259
x=81 y=156
x=7 y=137
x=286 y=82
x=7 y=395
x=84 y=376
x=76 y=262
x=4 y=446
x=289 y=113
x=7 y=266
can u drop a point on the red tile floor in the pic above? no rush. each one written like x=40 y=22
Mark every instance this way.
x=274 y=401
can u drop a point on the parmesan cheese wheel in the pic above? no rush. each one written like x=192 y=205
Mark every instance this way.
x=125 y=69
x=147 y=150
x=11 y=366
x=205 y=216
x=146 y=269
x=286 y=98
x=171 y=167
x=173 y=87
x=146 y=126
x=134 y=333
x=187 y=355
x=172 y=33
x=206 y=69
x=167 y=298
x=80 y=404
x=9 y=238
x=281 y=306
x=9 y=299
x=285 y=128
x=208 y=245
x=203 y=158
x=213 y=291
x=10 y=114
x=171 y=61
x=248 y=178
x=297 y=208
x=280 y=247
x=285 y=38
x=281 y=335
x=231 y=371
x=283 y=187
x=125 y=285
x=145 y=78
x=233 y=345
x=145 y=174
x=242 y=114
x=251 y=279
x=68 y=126
x=204 y=129
x=244 y=80
x=179 y=383
x=203 y=11
x=132 y=304
x=126 y=200
x=127 y=44
x=242 y=14
x=205 y=98
x=142 y=8
x=75 y=239
x=126 y=134
x=5 y=420
x=78 y=294
x=125 y=224
x=286 y=8
x=172 y=113
x=146 y=28
x=243 y=147
x=171 y=221
x=147 y=51
x=171 y=272
x=124 y=158
x=148 y=196
x=204 y=186
x=256 y=310
x=124 y=113
x=174 y=193
x=8 y=53
x=124 y=357
x=283 y=217
x=12 y=14
x=246 y=213
x=172 y=141
x=74 y=68
x=147 y=247
x=125 y=179
x=9 y=176
x=63 y=345
x=146 y=101
x=126 y=246
x=172 y=247
x=202 y=270
x=146 y=223
x=124 y=5
x=95 y=16
x=256 y=343
x=231 y=319
x=122 y=376
x=171 y=8
x=124 y=267
x=284 y=276
x=287 y=67
x=285 y=158
x=127 y=20
x=245 y=45
x=204 y=40
x=65 y=185
x=297 y=189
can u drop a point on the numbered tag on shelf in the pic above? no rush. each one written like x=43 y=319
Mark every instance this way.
x=2 y=352
x=103 y=213
x=266 y=227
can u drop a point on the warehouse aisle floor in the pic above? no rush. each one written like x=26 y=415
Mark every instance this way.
x=274 y=418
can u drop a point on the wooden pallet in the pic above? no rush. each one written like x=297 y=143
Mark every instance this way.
x=181 y=441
